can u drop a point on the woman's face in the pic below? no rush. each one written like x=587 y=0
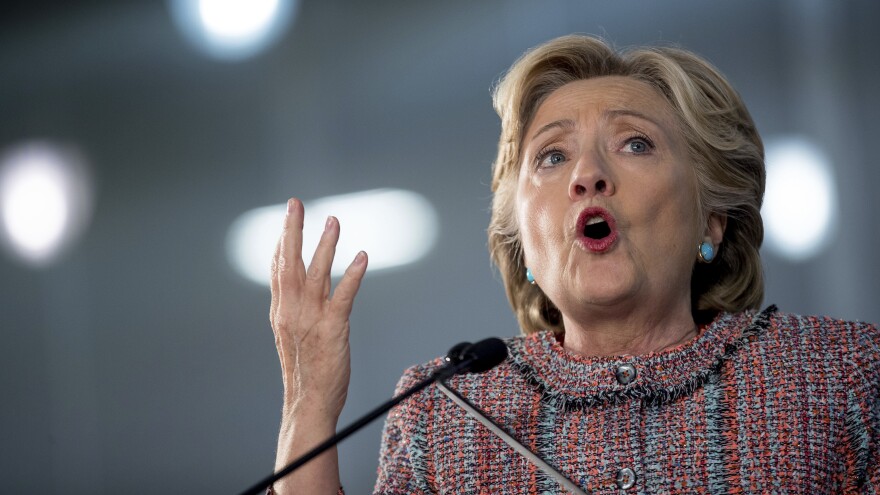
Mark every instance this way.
x=606 y=199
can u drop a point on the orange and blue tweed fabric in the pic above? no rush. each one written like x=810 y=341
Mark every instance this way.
x=757 y=403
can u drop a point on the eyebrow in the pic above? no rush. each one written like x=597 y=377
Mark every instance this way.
x=565 y=124
x=568 y=124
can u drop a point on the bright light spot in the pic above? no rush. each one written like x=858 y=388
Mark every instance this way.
x=800 y=203
x=44 y=200
x=34 y=211
x=236 y=19
x=232 y=29
x=393 y=226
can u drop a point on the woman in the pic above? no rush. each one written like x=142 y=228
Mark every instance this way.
x=626 y=226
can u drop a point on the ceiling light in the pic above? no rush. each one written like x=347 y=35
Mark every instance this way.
x=45 y=200
x=232 y=29
x=395 y=227
x=800 y=203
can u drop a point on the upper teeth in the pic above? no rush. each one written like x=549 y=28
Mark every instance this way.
x=595 y=220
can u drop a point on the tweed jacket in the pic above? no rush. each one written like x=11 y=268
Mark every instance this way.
x=757 y=403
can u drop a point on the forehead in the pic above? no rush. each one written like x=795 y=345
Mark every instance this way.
x=600 y=96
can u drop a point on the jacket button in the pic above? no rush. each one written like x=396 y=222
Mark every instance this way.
x=626 y=478
x=625 y=374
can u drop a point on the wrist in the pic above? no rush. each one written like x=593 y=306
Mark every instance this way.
x=301 y=430
x=313 y=408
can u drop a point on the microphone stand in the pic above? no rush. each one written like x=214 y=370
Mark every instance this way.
x=509 y=440
x=441 y=374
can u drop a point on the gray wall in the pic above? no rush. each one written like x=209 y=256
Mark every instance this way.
x=141 y=363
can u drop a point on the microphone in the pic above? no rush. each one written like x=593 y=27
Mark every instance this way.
x=473 y=358
x=461 y=358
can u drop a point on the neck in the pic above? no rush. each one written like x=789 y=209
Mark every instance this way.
x=631 y=334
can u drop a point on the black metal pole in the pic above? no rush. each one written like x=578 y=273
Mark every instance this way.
x=342 y=434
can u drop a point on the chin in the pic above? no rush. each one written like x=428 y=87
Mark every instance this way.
x=611 y=291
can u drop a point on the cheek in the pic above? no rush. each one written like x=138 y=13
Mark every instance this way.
x=671 y=195
x=663 y=215
x=536 y=226
x=673 y=210
x=684 y=204
x=528 y=224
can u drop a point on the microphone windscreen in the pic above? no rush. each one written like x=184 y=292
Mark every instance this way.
x=454 y=356
x=484 y=355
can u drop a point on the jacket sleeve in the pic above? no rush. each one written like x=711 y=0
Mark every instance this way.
x=863 y=414
x=404 y=460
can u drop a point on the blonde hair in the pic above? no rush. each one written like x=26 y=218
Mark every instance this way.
x=722 y=140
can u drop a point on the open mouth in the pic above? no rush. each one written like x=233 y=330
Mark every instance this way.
x=597 y=229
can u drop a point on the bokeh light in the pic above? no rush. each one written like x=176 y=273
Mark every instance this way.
x=800 y=204
x=232 y=29
x=395 y=227
x=45 y=200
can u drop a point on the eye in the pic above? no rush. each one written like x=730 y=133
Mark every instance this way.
x=555 y=158
x=638 y=145
x=550 y=158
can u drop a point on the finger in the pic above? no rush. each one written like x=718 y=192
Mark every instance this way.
x=273 y=283
x=318 y=277
x=290 y=267
x=274 y=319
x=278 y=327
x=346 y=290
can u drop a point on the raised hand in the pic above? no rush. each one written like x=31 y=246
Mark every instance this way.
x=311 y=333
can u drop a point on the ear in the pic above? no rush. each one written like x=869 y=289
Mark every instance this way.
x=715 y=228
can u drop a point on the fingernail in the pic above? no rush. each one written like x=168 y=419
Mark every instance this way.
x=360 y=258
x=291 y=205
x=328 y=224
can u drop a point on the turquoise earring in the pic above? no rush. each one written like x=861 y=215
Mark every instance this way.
x=706 y=252
x=530 y=277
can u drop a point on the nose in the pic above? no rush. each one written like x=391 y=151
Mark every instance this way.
x=590 y=178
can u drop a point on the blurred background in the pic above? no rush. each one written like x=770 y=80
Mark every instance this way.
x=146 y=148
